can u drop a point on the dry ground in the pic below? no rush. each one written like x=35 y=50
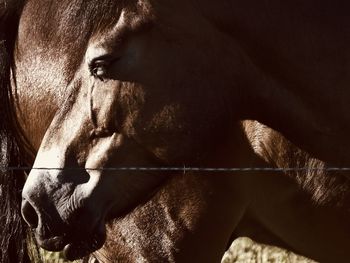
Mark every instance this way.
x=244 y=250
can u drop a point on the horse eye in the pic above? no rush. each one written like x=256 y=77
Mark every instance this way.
x=98 y=68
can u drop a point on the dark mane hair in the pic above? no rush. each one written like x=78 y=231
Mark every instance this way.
x=14 y=233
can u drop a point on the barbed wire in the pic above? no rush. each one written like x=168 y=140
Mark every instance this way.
x=184 y=169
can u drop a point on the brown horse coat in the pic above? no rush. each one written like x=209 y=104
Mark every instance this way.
x=173 y=83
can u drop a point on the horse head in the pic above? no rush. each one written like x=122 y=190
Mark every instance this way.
x=107 y=85
x=130 y=103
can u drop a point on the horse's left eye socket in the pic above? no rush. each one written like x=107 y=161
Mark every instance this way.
x=98 y=69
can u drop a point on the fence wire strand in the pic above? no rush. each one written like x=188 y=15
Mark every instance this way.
x=184 y=169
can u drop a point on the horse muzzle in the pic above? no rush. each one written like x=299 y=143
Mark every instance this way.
x=78 y=238
x=68 y=216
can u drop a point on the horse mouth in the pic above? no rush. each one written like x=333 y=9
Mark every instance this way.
x=56 y=243
x=77 y=250
x=77 y=243
x=75 y=246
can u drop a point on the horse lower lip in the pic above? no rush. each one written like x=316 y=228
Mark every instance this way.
x=52 y=244
x=67 y=251
x=71 y=252
x=77 y=250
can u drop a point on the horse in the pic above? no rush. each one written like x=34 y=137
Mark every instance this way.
x=90 y=87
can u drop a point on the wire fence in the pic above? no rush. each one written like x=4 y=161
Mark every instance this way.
x=186 y=169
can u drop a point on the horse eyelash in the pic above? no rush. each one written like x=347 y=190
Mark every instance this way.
x=95 y=75
x=93 y=68
x=102 y=62
x=99 y=63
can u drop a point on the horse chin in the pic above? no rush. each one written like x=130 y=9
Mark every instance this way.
x=77 y=244
x=79 y=249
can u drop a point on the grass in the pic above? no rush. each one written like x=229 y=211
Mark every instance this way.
x=52 y=257
x=243 y=250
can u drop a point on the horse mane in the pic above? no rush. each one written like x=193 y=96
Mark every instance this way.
x=14 y=232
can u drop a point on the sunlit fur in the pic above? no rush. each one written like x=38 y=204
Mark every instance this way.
x=267 y=85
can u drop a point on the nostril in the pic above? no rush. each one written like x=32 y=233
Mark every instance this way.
x=29 y=214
